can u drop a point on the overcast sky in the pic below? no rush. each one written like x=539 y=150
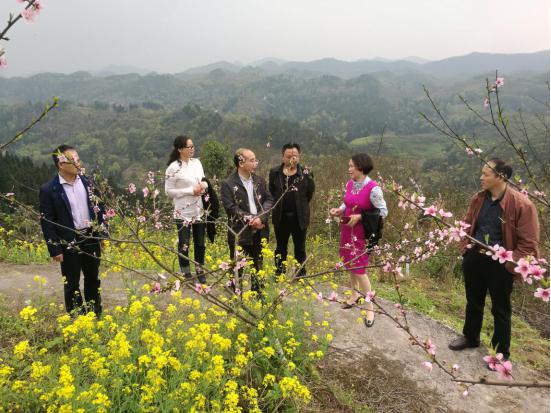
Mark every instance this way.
x=171 y=36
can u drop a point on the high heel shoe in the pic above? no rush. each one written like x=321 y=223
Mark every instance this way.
x=347 y=305
x=369 y=323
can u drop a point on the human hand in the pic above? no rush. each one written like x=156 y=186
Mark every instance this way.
x=197 y=190
x=354 y=220
x=58 y=258
x=256 y=223
x=335 y=212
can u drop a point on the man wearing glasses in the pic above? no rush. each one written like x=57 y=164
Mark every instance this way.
x=247 y=202
x=71 y=223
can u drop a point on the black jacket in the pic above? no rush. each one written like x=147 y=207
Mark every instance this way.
x=56 y=209
x=303 y=196
x=211 y=207
x=236 y=204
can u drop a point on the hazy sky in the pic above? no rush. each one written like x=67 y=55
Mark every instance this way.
x=171 y=36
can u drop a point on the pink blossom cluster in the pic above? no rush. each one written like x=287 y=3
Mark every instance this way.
x=414 y=201
x=471 y=152
x=434 y=211
x=529 y=271
x=202 y=289
x=430 y=347
x=504 y=368
x=500 y=81
x=110 y=213
x=30 y=12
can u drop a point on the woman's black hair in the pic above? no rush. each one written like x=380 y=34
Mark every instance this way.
x=179 y=143
x=362 y=162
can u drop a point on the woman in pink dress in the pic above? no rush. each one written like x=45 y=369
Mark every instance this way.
x=361 y=194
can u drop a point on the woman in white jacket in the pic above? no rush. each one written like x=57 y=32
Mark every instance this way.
x=183 y=183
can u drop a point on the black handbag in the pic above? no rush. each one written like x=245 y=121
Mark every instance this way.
x=373 y=226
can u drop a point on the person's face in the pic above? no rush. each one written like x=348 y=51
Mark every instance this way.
x=187 y=151
x=354 y=172
x=489 y=179
x=291 y=157
x=249 y=162
x=71 y=164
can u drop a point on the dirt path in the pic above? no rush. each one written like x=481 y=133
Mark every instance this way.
x=377 y=361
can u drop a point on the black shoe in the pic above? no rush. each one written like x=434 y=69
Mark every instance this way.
x=462 y=343
x=202 y=278
x=188 y=276
x=369 y=323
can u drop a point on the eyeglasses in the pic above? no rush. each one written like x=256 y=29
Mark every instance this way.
x=189 y=147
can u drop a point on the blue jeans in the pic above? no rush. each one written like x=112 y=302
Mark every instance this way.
x=184 y=235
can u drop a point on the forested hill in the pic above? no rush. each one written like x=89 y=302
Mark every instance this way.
x=126 y=141
x=126 y=123
x=344 y=108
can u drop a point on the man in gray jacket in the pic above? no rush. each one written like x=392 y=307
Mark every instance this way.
x=247 y=202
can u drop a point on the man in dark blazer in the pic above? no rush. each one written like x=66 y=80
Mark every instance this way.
x=292 y=187
x=71 y=221
x=247 y=202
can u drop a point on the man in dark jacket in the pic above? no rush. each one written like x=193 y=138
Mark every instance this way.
x=292 y=187
x=70 y=221
x=247 y=202
x=498 y=215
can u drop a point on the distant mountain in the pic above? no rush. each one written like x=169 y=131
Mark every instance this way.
x=347 y=70
x=466 y=66
x=120 y=70
x=268 y=60
x=458 y=66
x=416 y=59
x=223 y=65
x=478 y=63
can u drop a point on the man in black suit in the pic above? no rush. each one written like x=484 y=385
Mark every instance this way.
x=247 y=202
x=70 y=222
x=292 y=187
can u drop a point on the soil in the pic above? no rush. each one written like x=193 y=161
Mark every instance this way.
x=377 y=365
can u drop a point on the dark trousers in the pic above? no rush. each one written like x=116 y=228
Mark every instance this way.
x=288 y=226
x=253 y=251
x=184 y=234
x=86 y=258
x=482 y=274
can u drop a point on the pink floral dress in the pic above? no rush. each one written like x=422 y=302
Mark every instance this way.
x=352 y=245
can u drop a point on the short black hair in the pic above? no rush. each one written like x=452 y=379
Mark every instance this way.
x=59 y=150
x=501 y=168
x=362 y=162
x=290 y=145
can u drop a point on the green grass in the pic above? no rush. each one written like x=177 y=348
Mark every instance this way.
x=425 y=146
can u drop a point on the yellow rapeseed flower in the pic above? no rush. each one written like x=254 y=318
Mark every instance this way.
x=39 y=370
x=292 y=388
x=28 y=313
x=269 y=379
x=21 y=349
